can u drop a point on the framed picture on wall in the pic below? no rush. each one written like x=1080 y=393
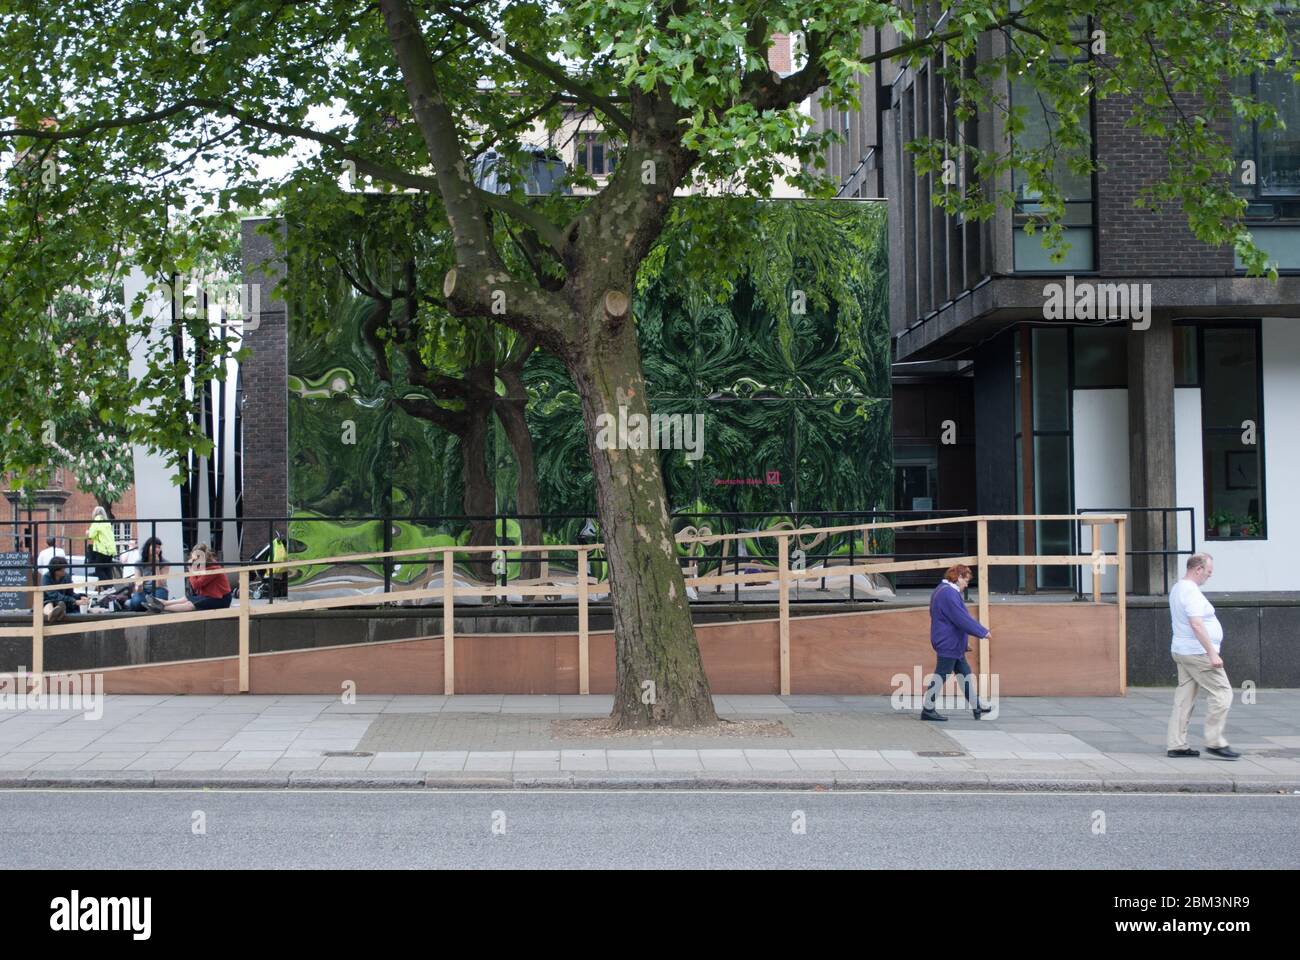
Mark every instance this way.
x=1242 y=470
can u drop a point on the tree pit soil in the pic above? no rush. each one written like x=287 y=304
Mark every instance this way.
x=602 y=728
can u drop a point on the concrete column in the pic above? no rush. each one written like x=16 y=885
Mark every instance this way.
x=1151 y=447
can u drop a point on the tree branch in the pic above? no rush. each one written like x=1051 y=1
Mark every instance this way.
x=542 y=66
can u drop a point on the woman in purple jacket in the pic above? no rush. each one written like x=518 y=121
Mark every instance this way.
x=950 y=625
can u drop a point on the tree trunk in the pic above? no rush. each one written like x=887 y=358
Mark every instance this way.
x=480 y=486
x=510 y=410
x=660 y=677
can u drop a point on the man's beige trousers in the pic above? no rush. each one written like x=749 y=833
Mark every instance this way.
x=1196 y=674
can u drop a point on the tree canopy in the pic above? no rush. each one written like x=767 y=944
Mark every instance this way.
x=125 y=114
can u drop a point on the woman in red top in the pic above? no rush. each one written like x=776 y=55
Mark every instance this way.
x=209 y=586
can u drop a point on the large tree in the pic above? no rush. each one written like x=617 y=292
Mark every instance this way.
x=138 y=105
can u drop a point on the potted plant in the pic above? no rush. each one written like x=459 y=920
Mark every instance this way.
x=1221 y=522
x=1250 y=527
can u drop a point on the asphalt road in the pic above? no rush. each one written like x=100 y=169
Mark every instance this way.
x=338 y=829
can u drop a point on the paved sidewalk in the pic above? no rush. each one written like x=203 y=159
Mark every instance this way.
x=472 y=740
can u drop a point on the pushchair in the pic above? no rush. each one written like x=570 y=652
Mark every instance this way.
x=270 y=583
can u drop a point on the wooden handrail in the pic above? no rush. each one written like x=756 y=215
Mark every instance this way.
x=783 y=576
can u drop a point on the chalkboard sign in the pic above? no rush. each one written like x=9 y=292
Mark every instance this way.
x=15 y=571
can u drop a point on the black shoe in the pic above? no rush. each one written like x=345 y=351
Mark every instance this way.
x=58 y=612
x=1224 y=752
x=934 y=715
x=980 y=711
x=1185 y=752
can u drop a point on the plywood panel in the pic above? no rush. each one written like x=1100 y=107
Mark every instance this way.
x=507 y=663
x=1056 y=650
x=1040 y=649
x=858 y=653
x=741 y=657
x=602 y=662
x=1049 y=649
x=407 y=666
x=188 y=676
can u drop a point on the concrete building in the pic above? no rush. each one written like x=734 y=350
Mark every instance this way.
x=1145 y=372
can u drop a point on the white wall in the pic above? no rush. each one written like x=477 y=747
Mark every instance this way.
x=1100 y=466
x=1253 y=564
x=155 y=494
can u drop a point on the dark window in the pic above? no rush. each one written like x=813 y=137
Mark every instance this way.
x=1051 y=386
x=1100 y=357
x=1185 y=353
x=1039 y=133
x=595 y=155
x=1267 y=166
x=1232 y=431
x=1053 y=469
x=916 y=476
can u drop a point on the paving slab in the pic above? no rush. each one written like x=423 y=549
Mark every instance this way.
x=514 y=741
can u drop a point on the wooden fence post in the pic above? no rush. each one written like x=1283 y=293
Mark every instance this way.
x=783 y=607
x=584 y=660
x=245 y=601
x=38 y=640
x=448 y=623
x=982 y=559
x=1121 y=598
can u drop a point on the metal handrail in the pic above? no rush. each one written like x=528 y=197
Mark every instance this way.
x=1164 y=552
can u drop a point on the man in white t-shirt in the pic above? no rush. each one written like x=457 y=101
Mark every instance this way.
x=49 y=553
x=1197 y=636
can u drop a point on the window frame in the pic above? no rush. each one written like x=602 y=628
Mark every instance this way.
x=1279 y=202
x=1256 y=327
x=1019 y=218
x=583 y=152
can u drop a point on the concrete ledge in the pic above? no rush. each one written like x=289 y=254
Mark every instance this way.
x=841 y=781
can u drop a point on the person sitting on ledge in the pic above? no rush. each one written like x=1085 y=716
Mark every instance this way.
x=58 y=601
x=151 y=562
x=209 y=587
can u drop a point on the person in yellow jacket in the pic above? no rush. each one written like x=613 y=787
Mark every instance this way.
x=101 y=549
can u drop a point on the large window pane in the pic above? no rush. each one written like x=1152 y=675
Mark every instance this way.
x=1282 y=244
x=1050 y=380
x=1232 y=439
x=1052 y=495
x=1185 y=374
x=1233 y=492
x=1031 y=255
x=1039 y=133
x=1279 y=143
x=1230 y=394
x=1100 y=357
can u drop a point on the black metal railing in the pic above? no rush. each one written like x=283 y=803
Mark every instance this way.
x=725 y=556
x=1165 y=552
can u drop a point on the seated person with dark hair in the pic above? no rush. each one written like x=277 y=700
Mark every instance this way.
x=59 y=600
x=209 y=586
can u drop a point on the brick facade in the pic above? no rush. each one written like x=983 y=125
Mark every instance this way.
x=265 y=389
x=1133 y=240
